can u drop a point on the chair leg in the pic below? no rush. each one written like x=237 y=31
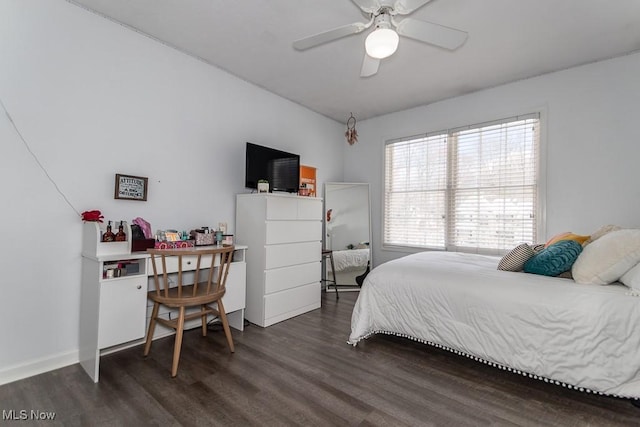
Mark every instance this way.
x=152 y=328
x=178 y=344
x=203 y=309
x=333 y=271
x=225 y=326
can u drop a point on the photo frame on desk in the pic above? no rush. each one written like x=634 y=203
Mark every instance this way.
x=131 y=187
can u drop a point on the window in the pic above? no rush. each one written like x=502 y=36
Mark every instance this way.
x=466 y=189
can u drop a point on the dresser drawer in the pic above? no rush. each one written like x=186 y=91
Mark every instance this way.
x=293 y=231
x=291 y=302
x=282 y=208
x=280 y=279
x=310 y=208
x=291 y=254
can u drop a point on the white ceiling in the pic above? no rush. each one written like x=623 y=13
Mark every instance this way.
x=508 y=40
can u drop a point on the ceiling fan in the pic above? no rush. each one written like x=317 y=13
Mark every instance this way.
x=383 y=41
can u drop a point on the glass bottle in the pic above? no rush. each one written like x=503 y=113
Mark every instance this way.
x=121 y=236
x=108 y=235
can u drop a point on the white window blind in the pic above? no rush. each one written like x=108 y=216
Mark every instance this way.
x=415 y=192
x=466 y=189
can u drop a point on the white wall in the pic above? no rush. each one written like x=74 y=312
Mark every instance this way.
x=591 y=141
x=92 y=98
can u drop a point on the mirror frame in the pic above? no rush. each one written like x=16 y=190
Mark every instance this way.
x=325 y=207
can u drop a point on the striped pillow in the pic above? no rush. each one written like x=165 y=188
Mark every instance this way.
x=516 y=258
x=538 y=247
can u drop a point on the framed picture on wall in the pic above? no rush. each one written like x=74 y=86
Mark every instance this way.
x=131 y=187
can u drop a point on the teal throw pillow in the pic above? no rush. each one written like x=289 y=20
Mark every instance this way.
x=555 y=259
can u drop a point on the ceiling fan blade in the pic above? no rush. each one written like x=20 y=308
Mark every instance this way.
x=405 y=7
x=367 y=6
x=369 y=66
x=329 y=36
x=428 y=32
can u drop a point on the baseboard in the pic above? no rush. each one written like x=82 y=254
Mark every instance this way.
x=38 y=366
x=50 y=363
x=350 y=288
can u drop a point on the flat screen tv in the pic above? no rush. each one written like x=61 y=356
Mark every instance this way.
x=280 y=168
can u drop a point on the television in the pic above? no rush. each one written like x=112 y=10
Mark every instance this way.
x=280 y=168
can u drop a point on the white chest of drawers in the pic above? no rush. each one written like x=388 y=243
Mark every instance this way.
x=284 y=234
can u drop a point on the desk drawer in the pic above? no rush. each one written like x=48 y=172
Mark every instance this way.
x=282 y=305
x=292 y=254
x=188 y=263
x=293 y=231
x=280 y=279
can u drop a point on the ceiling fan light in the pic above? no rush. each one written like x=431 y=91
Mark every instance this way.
x=381 y=43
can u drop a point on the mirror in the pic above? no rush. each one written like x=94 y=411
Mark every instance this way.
x=348 y=231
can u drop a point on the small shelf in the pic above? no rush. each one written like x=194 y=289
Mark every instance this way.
x=94 y=247
x=123 y=268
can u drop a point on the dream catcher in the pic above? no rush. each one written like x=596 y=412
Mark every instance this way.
x=351 y=133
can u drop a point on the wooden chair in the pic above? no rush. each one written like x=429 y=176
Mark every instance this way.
x=196 y=292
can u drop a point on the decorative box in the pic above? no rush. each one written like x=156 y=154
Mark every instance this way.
x=203 y=239
x=174 y=245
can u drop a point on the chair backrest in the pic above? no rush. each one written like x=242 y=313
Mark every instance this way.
x=212 y=262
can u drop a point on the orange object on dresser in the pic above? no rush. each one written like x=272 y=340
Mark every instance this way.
x=307 y=181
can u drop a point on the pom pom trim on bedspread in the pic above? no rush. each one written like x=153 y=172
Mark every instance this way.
x=495 y=365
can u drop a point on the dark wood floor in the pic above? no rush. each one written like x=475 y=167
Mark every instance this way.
x=302 y=372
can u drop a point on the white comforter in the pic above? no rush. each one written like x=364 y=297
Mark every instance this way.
x=350 y=258
x=587 y=336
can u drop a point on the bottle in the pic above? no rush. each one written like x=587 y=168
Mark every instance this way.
x=121 y=236
x=218 y=237
x=108 y=235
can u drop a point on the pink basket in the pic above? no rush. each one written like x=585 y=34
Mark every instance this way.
x=174 y=245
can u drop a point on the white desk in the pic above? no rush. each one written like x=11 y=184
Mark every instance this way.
x=114 y=311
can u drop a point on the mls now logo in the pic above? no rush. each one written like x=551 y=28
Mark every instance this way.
x=23 y=414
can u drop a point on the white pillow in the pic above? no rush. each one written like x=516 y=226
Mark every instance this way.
x=632 y=278
x=608 y=258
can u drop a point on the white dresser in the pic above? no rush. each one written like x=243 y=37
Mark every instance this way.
x=284 y=235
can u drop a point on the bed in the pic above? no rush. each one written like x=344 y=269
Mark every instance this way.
x=351 y=259
x=580 y=336
x=349 y=264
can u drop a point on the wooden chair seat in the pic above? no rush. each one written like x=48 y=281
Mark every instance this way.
x=197 y=293
x=189 y=297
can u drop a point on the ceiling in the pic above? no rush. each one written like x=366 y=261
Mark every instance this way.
x=508 y=40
